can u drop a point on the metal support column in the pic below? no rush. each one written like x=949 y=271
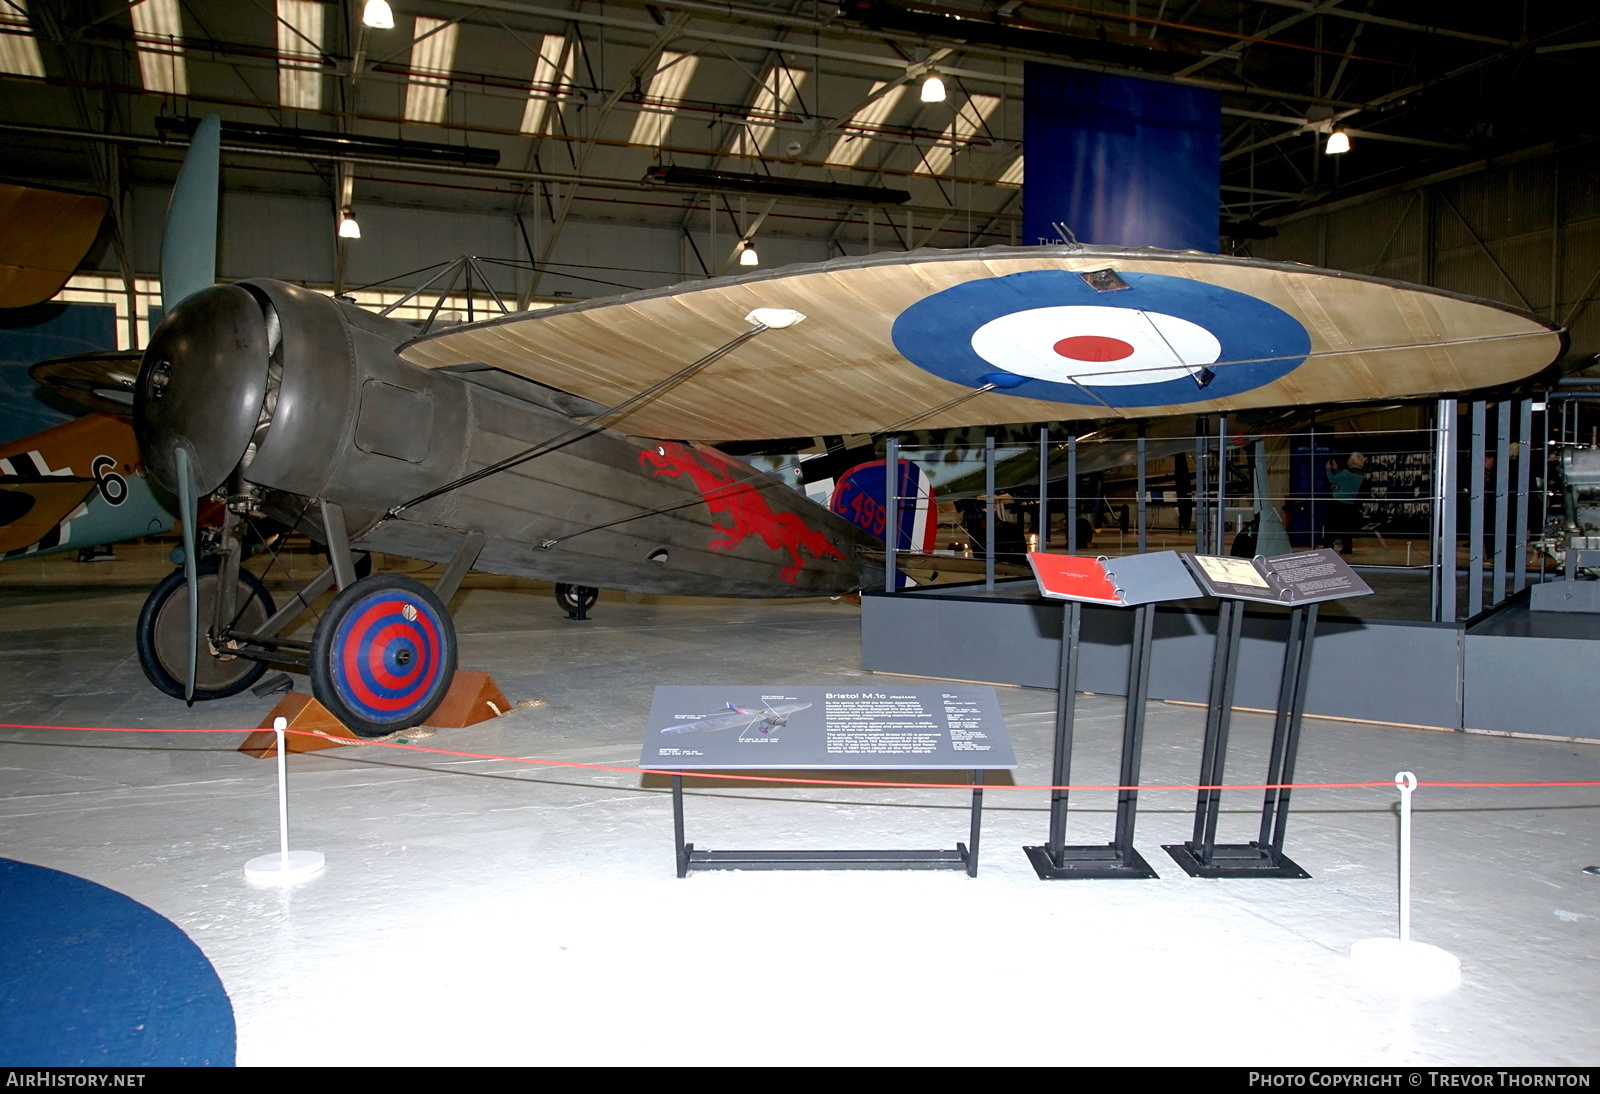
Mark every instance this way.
x=1054 y=861
x=1041 y=522
x=1219 y=537
x=1072 y=492
x=1219 y=717
x=988 y=524
x=1263 y=857
x=1475 y=476
x=1144 y=492
x=1444 y=512
x=1502 y=496
x=1066 y=706
x=1525 y=452
x=891 y=511
x=1202 y=487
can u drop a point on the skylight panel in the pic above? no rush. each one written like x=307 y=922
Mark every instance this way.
x=850 y=147
x=662 y=96
x=778 y=95
x=1012 y=176
x=433 y=51
x=19 y=49
x=970 y=118
x=552 y=73
x=158 y=34
x=300 y=54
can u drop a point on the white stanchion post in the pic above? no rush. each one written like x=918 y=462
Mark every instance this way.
x=286 y=866
x=1407 y=782
x=1399 y=964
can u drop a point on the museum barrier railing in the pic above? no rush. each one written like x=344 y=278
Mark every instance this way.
x=1385 y=783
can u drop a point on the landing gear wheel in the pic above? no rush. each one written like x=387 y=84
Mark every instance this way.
x=576 y=600
x=163 y=635
x=383 y=655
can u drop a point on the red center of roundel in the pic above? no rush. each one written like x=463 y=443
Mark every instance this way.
x=1093 y=347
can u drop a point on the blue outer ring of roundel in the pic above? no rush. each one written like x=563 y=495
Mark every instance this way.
x=1260 y=342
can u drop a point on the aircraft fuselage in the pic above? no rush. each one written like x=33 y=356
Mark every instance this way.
x=299 y=400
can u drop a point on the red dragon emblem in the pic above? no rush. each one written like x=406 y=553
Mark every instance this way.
x=743 y=510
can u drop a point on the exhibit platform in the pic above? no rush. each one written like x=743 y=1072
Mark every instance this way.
x=485 y=911
x=1510 y=670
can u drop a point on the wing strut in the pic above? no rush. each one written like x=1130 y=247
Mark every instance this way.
x=762 y=319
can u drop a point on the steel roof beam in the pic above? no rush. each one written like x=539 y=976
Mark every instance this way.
x=1398 y=24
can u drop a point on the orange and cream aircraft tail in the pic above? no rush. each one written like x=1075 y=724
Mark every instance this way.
x=75 y=485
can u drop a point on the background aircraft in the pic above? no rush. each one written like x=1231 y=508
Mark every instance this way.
x=78 y=484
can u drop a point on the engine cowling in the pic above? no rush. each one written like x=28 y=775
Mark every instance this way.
x=299 y=393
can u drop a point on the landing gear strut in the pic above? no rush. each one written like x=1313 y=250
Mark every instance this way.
x=576 y=600
x=382 y=656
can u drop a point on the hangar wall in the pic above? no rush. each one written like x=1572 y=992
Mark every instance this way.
x=1524 y=231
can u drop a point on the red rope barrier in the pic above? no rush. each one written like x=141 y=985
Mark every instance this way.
x=1386 y=783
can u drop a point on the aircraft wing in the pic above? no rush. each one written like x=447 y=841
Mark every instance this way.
x=29 y=509
x=890 y=336
x=44 y=234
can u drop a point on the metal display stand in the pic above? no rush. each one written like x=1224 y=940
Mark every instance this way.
x=964 y=856
x=1203 y=856
x=1055 y=860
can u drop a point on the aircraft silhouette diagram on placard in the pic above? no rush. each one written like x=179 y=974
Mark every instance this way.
x=761 y=720
x=575 y=444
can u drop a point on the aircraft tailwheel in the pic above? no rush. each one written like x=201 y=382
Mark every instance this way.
x=383 y=655
x=576 y=600
x=163 y=640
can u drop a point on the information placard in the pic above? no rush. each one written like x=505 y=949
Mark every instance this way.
x=1304 y=577
x=955 y=727
x=1124 y=582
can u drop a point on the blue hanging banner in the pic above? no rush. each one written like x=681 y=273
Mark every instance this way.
x=1120 y=161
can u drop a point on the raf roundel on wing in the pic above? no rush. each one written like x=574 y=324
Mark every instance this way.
x=1048 y=334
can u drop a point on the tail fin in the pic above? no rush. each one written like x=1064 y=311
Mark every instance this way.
x=861 y=496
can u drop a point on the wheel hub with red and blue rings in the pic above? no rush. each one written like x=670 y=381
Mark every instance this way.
x=388 y=656
x=1051 y=334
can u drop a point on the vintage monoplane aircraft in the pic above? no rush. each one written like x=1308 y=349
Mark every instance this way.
x=763 y=720
x=571 y=444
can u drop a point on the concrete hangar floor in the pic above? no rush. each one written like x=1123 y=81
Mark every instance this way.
x=489 y=912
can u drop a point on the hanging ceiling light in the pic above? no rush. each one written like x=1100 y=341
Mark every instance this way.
x=748 y=256
x=378 y=15
x=932 y=88
x=348 y=228
x=1338 y=143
